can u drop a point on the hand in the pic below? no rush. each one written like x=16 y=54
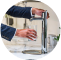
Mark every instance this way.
x=39 y=12
x=26 y=33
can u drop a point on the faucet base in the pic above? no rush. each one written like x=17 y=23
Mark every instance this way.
x=33 y=52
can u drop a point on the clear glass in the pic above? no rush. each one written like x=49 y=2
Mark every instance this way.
x=31 y=46
x=52 y=43
x=32 y=27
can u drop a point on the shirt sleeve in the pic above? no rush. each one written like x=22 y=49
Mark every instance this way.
x=31 y=13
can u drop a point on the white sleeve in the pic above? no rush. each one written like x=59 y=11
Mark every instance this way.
x=31 y=13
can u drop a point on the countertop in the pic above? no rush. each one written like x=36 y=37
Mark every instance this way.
x=29 y=56
x=17 y=51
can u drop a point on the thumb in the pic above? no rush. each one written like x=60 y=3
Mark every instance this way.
x=43 y=10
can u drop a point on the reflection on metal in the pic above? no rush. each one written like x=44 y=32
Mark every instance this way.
x=44 y=35
x=44 y=31
x=36 y=18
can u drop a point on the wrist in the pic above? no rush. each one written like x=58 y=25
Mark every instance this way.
x=33 y=11
x=16 y=32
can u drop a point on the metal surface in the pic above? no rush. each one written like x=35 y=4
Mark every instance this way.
x=36 y=19
x=34 y=52
x=44 y=34
x=44 y=30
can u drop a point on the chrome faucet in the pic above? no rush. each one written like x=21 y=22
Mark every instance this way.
x=44 y=30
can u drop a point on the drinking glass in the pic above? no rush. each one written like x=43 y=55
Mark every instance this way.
x=52 y=43
x=32 y=27
x=31 y=46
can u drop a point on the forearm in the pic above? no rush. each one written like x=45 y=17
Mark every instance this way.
x=21 y=12
x=7 y=32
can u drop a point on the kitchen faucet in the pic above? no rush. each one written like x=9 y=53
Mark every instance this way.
x=44 y=30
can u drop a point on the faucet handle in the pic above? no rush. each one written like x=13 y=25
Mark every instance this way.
x=37 y=18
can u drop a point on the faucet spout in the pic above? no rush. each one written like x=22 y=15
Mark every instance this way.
x=44 y=30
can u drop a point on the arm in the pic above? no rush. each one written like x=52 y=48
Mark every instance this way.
x=7 y=32
x=36 y=11
x=16 y=11
x=25 y=12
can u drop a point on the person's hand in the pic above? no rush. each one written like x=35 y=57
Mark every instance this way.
x=26 y=33
x=39 y=12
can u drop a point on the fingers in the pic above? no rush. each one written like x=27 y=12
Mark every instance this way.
x=41 y=10
x=32 y=35
x=44 y=11
x=39 y=14
x=29 y=38
x=48 y=14
x=32 y=30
